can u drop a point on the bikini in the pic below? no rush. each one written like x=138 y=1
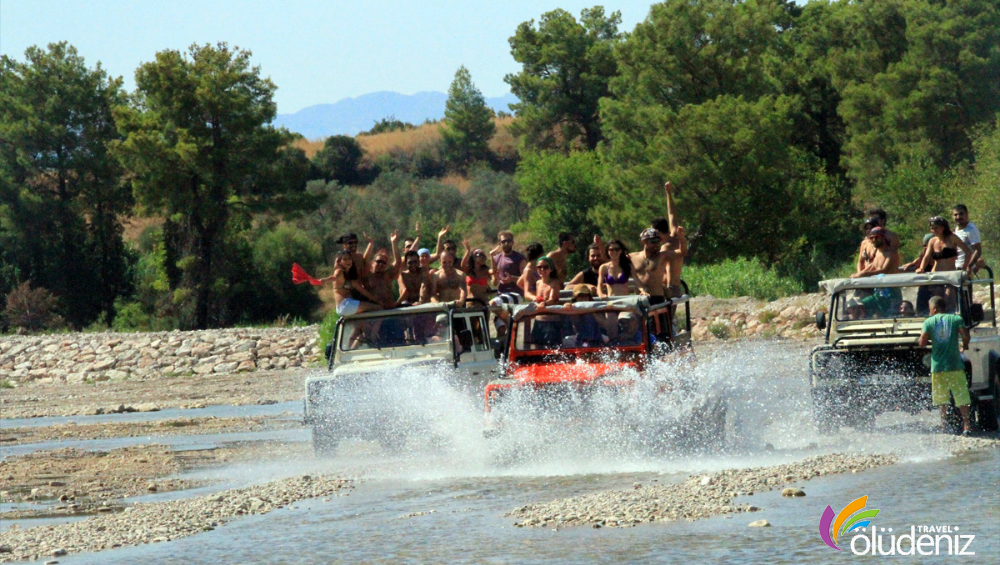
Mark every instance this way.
x=946 y=253
x=609 y=280
x=482 y=281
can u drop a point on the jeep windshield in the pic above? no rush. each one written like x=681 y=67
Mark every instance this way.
x=571 y=330
x=398 y=330
x=895 y=302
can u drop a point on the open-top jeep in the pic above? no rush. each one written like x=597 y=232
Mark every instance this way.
x=561 y=361
x=872 y=362
x=371 y=352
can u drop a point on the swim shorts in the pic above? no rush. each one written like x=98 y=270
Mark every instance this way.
x=348 y=306
x=949 y=382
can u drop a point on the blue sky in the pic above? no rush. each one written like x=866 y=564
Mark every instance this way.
x=315 y=51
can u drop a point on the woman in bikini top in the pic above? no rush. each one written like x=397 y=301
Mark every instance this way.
x=478 y=273
x=942 y=249
x=613 y=276
x=548 y=286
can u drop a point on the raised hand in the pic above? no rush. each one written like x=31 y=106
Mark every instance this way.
x=465 y=242
x=668 y=187
x=368 y=237
x=394 y=236
x=444 y=232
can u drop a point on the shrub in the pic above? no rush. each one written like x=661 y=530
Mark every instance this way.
x=326 y=329
x=32 y=309
x=739 y=277
x=719 y=329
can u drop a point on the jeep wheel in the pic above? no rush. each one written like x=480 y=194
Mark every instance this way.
x=988 y=410
x=325 y=443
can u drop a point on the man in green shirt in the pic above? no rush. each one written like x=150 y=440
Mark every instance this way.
x=947 y=369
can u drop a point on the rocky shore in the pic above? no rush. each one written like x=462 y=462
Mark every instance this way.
x=86 y=357
x=162 y=521
x=700 y=496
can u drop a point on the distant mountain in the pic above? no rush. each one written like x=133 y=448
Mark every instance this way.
x=351 y=116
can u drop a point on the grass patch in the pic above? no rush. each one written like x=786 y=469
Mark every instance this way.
x=739 y=277
x=719 y=330
x=326 y=329
x=766 y=316
x=6 y=384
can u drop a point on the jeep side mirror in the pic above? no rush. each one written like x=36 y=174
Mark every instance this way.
x=821 y=320
x=976 y=313
x=497 y=348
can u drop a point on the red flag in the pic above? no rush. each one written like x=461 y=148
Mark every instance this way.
x=299 y=276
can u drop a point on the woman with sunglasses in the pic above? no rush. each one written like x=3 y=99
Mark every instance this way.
x=613 y=276
x=349 y=292
x=478 y=273
x=548 y=286
x=942 y=250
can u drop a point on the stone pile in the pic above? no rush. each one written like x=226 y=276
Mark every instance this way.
x=161 y=521
x=697 y=497
x=80 y=357
x=792 y=317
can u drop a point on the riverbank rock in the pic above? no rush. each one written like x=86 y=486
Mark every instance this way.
x=759 y=524
x=98 y=357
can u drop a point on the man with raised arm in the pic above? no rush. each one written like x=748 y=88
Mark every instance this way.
x=649 y=266
x=673 y=238
x=885 y=260
x=383 y=273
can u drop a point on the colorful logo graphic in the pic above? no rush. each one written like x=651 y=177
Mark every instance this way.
x=830 y=528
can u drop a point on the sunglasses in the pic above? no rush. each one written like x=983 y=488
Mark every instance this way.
x=506 y=241
x=352 y=243
x=542 y=267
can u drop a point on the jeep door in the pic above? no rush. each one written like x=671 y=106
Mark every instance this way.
x=475 y=364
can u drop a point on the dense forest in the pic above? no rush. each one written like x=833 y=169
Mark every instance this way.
x=179 y=205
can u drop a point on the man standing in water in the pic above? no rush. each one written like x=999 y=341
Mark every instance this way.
x=947 y=369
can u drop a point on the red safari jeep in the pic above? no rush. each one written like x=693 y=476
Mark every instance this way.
x=559 y=361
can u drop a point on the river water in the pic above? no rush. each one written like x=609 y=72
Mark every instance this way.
x=447 y=504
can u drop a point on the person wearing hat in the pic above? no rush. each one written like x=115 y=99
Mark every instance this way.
x=650 y=264
x=629 y=330
x=441 y=330
x=884 y=260
x=856 y=310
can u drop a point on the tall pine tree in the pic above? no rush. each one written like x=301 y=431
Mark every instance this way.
x=468 y=123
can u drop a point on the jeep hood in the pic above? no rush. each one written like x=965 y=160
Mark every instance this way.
x=552 y=373
x=387 y=365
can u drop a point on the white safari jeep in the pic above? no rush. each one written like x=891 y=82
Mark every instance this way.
x=871 y=362
x=378 y=363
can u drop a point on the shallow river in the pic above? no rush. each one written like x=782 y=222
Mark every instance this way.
x=448 y=504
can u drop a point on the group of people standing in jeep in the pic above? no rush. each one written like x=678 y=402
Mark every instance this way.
x=363 y=282
x=943 y=249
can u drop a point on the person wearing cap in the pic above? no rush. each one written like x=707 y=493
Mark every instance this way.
x=441 y=330
x=879 y=217
x=649 y=266
x=884 y=260
x=856 y=310
x=942 y=331
x=629 y=331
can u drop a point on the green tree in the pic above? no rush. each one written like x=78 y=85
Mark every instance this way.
x=561 y=192
x=200 y=151
x=926 y=100
x=566 y=69
x=60 y=192
x=339 y=159
x=468 y=123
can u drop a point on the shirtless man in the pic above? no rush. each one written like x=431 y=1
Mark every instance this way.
x=866 y=252
x=567 y=245
x=448 y=283
x=879 y=216
x=885 y=260
x=674 y=240
x=383 y=273
x=649 y=266
x=414 y=282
